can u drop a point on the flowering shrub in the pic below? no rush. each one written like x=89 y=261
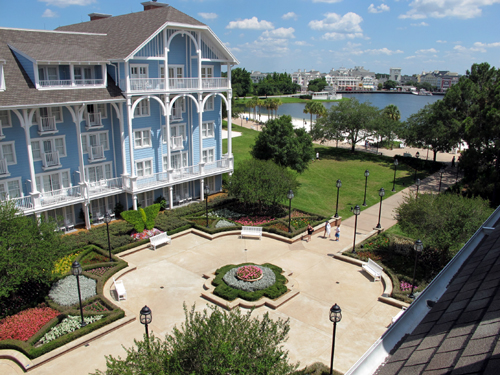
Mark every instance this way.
x=247 y=273
x=93 y=258
x=251 y=221
x=70 y=324
x=224 y=224
x=268 y=279
x=296 y=213
x=25 y=324
x=279 y=226
x=98 y=271
x=63 y=265
x=407 y=286
x=146 y=233
x=364 y=255
x=95 y=307
x=379 y=241
x=225 y=213
x=301 y=223
x=65 y=291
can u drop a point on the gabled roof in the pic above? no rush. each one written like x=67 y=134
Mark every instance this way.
x=127 y=32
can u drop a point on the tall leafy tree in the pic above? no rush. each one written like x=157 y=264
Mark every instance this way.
x=317 y=84
x=350 y=120
x=390 y=126
x=286 y=146
x=241 y=82
x=315 y=108
x=253 y=103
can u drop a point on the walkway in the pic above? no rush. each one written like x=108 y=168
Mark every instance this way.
x=171 y=276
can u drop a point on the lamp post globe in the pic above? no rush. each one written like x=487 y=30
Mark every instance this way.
x=418 y=185
x=417 y=156
x=76 y=269
x=356 y=211
x=418 y=247
x=339 y=185
x=290 y=196
x=395 y=168
x=381 y=194
x=146 y=316
x=335 y=317
x=367 y=173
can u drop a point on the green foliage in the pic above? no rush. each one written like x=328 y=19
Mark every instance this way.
x=241 y=82
x=389 y=84
x=315 y=108
x=28 y=249
x=316 y=368
x=286 y=146
x=209 y=342
x=262 y=181
x=275 y=84
x=317 y=84
x=442 y=221
x=142 y=218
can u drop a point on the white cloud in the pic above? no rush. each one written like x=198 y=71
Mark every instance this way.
x=327 y=1
x=441 y=41
x=271 y=43
x=65 y=3
x=382 y=51
x=447 y=8
x=250 y=23
x=410 y=57
x=49 y=14
x=279 y=33
x=420 y=24
x=341 y=36
x=430 y=50
x=381 y=8
x=486 y=45
x=302 y=43
x=208 y=16
x=348 y=23
x=289 y=15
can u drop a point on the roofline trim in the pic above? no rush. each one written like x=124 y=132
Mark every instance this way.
x=223 y=46
x=22 y=53
x=83 y=102
x=51 y=31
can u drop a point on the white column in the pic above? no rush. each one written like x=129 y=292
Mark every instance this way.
x=122 y=138
x=127 y=76
x=200 y=122
x=202 y=189
x=199 y=61
x=25 y=121
x=229 y=124
x=167 y=122
x=72 y=74
x=134 y=202
x=78 y=119
x=86 y=213
x=165 y=51
x=130 y=136
x=171 y=197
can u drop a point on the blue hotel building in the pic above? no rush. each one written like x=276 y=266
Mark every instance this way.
x=118 y=109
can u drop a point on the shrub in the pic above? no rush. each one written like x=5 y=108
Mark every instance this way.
x=70 y=324
x=142 y=218
x=224 y=224
x=29 y=294
x=65 y=291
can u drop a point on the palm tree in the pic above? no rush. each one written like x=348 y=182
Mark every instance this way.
x=260 y=103
x=276 y=104
x=391 y=111
x=252 y=103
x=307 y=109
x=315 y=108
x=268 y=104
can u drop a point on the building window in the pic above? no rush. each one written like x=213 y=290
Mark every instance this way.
x=8 y=152
x=177 y=130
x=102 y=205
x=209 y=104
x=209 y=155
x=144 y=168
x=48 y=73
x=181 y=191
x=145 y=199
x=178 y=160
x=10 y=188
x=142 y=138
x=5 y=119
x=138 y=71
x=95 y=139
x=98 y=108
x=175 y=71
x=98 y=172
x=84 y=75
x=211 y=183
x=142 y=109
x=207 y=72
x=207 y=130
x=52 y=181
x=48 y=145
x=61 y=215
x=178 y=108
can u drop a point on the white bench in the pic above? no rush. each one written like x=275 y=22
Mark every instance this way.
x=159 y=239
x=251 y=231
x=407 y=155
x=121 y=293
x=373 y=269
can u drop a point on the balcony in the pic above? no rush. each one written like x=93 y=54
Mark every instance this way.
x=96 y=153
x=215 y=83
x=105 y=187
x=22 y=203
x=1 y=131
x=174 y=84
x=146 y=84
x=47 y=125
x=66 y=195
x=4 y=171
x=176 y=143
x=94 y=121
x=50 y=160
x=67 y=83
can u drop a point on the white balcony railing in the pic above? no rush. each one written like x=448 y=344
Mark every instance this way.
x=96 y=153
x=94 y=120
x=215 y=83
x=182 y=83
x=47 y=125
x=3 y=167
x=59 y=196
x=64 y=83
x=50 y=159
x=55 y=83
x=176 y=143
x=89 y=82
x=144 y=84
x=185 y=172
x=174 y=84
x=105 y=186
x=217 y=165
x=22 y=203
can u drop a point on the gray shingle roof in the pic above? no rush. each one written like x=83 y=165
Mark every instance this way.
x=51 y=51
x=460 y=334
x=129 y=31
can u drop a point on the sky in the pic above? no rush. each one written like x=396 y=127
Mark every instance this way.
x=288 y=35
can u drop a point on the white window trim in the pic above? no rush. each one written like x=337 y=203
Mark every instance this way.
x=176 y=125
x=146 y=195
x=141 y=114
x=207 y=150
x=175 y=66
x=104 y=114
x=142 y=130
x=6 y=184
x=210 y=181
x=143 y=161
x=207 y=66
x=87 y=135
x=180 y=153
x=212 y=104
x=59 y=172
x=36 y=116
x=103 y=165
x=53 y=139
x=206 y=123
x=13 y=149
x=2 y=77
x=9 y=119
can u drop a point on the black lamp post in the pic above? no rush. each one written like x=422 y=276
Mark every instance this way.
x=146 y=318
x=339 y=185
x=456 y=179
x=356 y=211
x=441 y=178
x=367 y=173
x=335 y=317
x=76 y=269
x=290 y=197
x=107 y=220
x=417 y=156
x=395 y=168
x=381 y=194
x=207 y=192
x=418 y=185
x=418 y=247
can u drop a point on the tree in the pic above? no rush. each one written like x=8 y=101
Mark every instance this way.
x=475 y=106
x=317 y=84
x=275 y=104
x=389 y=84
x=262 y=182
x=253 y=103
x=442 y=221
x=286 y=146
x=390 y=125
x=28 y=249
x=315 y=108
x=433 y=127
x=349 y=119
x=241 y=82
x=211 y=342
x=380 y=86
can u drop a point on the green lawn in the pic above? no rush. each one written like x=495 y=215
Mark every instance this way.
x=318 y=192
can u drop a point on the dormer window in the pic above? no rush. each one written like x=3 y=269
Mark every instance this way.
x=69 y=76
x=84 y=75
x=49 y=76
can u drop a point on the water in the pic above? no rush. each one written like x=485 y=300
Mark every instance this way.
x=408 y=104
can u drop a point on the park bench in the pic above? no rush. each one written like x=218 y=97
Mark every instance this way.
x=251 y=231
x=159 y=239
x=407 y=155
x=373 y=269
x=121 y=293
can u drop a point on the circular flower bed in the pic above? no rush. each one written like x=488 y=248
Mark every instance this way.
x=267 y=279
x=249 y=273
x=65 y=291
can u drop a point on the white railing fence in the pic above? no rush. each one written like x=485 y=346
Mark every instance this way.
x=96 y=152
x=94 y=119
x=50 y=159
x=47 y=124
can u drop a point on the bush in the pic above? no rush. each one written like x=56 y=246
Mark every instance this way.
x=63 y=291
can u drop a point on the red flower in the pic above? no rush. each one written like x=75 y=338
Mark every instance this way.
x=26 y=323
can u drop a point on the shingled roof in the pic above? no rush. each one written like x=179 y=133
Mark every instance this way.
x=127 y=32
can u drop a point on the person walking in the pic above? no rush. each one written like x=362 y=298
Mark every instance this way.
x=453 y=162
x=328 y=228
x=310 y=231
x=317 y=156
x=337 y=233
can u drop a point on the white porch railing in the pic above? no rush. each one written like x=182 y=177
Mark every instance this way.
x=3 y=167
x=50 y=159
x=176 y=143
x=96 y=153
x=55 y=82
x=185 y=172
x=89 y=82
x=104 y=186
x=62 y=195
x=143 y=84
x=174 y=84
x=219 y=164
x=23 y=203
x=182 y=83
x=153 y=180
x=94 y=119
x=47 y=125
x=69 y=83
x=214 y=83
